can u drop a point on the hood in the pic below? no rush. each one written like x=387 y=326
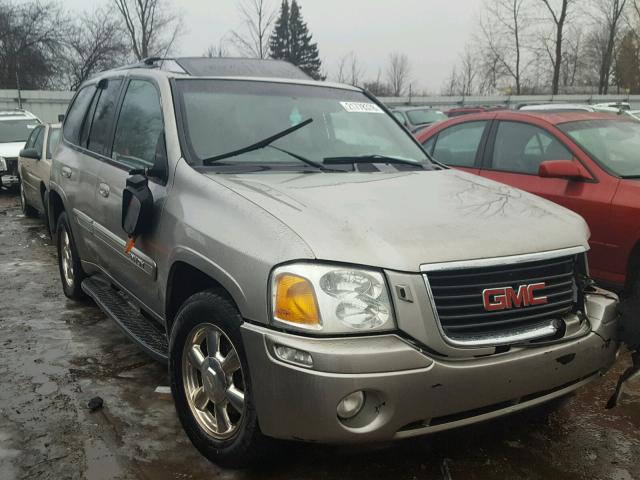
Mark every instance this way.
x=11 y=149
x=402 y=220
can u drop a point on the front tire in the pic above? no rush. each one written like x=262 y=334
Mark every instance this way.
x=210 y=381
x=71 y=273
x=27 y=210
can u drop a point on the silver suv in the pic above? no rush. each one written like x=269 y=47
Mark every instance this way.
x=305 y=269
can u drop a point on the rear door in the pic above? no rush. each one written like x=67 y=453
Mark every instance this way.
x=138 y=143
x=78 y=162
x=513 y=156
x=460 y=145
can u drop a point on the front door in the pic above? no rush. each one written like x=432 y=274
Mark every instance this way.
x=138 y=143
x=30 y=181
x=515 y=158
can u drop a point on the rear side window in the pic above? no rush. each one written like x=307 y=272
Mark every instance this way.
x=99 y=136
x=521 y=148
x=53 y=141
x=38 y=141
x=140 y=127
x=457 y=146
x=75 y=117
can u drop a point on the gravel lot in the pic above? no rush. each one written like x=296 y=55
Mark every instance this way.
x=55 y=355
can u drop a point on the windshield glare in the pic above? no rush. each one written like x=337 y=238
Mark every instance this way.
x=222 y=116
x=613 y=143
x=16 y=130
x=421 y=117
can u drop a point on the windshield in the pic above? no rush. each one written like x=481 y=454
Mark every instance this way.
x=613 y=143
x=421 y=117
x=16 y=130
x=222 y=116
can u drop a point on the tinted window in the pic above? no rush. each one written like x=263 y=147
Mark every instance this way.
x=139 y=126
x=53 y=141
x=39 y=141
x=103 y=118
x=457 y=146
x=521 y=148
x=75 y=117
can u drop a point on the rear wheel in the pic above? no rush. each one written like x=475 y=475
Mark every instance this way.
x=210 y=381
x=71 y=273
x=27 y=209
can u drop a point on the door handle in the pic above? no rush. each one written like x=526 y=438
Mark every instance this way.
x=66 y=172
x=103 y=189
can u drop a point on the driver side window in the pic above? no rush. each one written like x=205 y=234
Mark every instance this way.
x=140 y=127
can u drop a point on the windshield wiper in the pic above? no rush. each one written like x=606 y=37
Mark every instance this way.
x=302 y=159
x=630 y=177
x=259 y=145
x=371 y=159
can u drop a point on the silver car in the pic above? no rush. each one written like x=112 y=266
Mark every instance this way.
x=34 y=168
x=305 y=269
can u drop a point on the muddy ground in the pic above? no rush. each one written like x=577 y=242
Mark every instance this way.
x=56 y=354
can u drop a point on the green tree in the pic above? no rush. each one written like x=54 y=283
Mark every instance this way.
x=627 y=64
x=292 y=41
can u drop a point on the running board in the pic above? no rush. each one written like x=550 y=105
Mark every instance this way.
x=116 y=306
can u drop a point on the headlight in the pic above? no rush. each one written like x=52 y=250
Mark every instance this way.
x=330 y=299
x=3 y=164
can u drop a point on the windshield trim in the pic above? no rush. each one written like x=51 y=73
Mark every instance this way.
x=590 y=154
x=182 y=129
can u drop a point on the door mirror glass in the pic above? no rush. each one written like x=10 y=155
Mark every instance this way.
x=137 y=206
x=567 y=169
x=30 y=153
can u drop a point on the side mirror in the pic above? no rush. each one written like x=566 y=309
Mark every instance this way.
x=137 y=206
x=30 y=153
x=567 y=169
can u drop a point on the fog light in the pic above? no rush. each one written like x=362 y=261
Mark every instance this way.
x=350 y=405
x=293 y=355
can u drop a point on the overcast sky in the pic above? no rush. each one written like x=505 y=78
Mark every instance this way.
x=431 y=32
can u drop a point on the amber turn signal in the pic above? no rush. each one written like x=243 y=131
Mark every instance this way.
x=295 y=300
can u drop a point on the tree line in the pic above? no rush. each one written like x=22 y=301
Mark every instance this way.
x=551 y=46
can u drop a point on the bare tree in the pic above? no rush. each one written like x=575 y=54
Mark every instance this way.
x=31 y=36
x=450 y=86
x=503 y=31
x=573 y=62
x=350 y=70
x=258 y=17
x=378 y=87
x=219 y=50
x=609 y=14
x=468 y=72
x=151 y=27
x=398 y=73
x=94 y=44
x=559 y=16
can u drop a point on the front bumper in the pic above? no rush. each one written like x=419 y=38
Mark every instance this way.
x=409 y=392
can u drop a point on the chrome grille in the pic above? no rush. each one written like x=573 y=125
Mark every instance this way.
x=457 y=296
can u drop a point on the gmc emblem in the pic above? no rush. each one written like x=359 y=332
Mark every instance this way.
x=506 y=298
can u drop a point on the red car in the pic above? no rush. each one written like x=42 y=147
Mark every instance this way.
x=588 y=162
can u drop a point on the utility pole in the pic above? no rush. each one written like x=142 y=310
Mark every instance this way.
x=18 y=86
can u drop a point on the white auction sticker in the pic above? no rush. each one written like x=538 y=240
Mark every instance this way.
x=361 y=107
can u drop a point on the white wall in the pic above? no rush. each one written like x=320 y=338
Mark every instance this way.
x=46 y=105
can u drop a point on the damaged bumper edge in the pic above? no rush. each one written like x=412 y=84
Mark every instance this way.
x=408 y=393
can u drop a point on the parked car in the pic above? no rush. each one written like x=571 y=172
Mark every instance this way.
x=556 y=107
x=15 y=128
x=34 y=168
x=587 y=162
x=459 y=111
x=624 y=106
x=415 y=118
x=305 y=269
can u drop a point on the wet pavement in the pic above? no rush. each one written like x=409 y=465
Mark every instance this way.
x=56 y=355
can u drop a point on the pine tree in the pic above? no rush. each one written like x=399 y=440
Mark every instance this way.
x=279 y=42
x=292 y=41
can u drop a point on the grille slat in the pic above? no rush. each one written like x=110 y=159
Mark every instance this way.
x=458 y=295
